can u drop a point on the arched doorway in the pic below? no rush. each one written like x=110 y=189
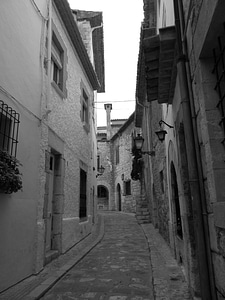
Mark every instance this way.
x=176 y=217
x=119 y=197
x=176 y=203
x=103 y=198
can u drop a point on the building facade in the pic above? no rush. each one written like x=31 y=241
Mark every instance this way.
x=116 y=189
x=50 y=81
x=180 y=90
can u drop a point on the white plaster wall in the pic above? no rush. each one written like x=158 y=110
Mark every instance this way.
x=20 y=78
x=20 y=39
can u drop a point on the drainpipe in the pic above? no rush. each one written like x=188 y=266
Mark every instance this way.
x=206 y=277
x=49 y=54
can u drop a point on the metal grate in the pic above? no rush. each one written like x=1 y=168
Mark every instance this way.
x=219 y=71
x=9 y=126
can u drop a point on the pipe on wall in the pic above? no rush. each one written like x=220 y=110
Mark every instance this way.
x=206 y=277
x=49 y=54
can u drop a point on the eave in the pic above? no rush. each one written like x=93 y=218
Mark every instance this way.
x=160 y=65
x=73 y=31
x=96 y=21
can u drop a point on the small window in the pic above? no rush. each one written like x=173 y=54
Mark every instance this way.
x=9 y=125
x=84 y=110
x=83 y=194
x=102 y=192
x=58 y=63
x=162 y=181
x=117 y=155
x=127 y=187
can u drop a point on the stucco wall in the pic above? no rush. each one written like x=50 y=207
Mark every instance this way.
x=20 y=79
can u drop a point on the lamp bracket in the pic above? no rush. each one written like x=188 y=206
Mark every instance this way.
x=161 y=121
x=151 y=153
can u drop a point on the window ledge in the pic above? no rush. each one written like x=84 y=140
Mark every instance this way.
x=58 y=90
x=84 y=219
x=86 y=127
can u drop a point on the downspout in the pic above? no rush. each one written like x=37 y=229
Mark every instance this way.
x=194 y=164
x=49 y=53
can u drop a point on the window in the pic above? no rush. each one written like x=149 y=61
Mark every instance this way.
x=9 y=125
x=117 y=155
x=98 y=162
x=219 y=70
x=102 y=192
x=58 y=63
x=127 y=188
x=83 y=194
x=84 y=109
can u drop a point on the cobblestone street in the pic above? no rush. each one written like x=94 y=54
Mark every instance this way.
x=118 y=268
x=119 y=260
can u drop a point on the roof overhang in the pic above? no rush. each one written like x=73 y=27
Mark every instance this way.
x=160 y=65
x=73 y=31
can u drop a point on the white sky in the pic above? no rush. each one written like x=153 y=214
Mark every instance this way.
x=122 y=22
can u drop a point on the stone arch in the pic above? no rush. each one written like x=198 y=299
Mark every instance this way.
x=103 y=197
x=176 y=211
x=175 y=201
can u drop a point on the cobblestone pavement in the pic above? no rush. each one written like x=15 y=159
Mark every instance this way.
x=168 y=279
x=118 y=268
x=35 y=286
x=119 y=261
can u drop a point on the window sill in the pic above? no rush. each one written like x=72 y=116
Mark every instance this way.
x=86 y=127
x=62 y=94
x=83 y=219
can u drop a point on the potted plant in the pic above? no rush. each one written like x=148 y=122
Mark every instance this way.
x=10 y=176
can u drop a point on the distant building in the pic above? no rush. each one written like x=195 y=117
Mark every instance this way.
x=116 y=189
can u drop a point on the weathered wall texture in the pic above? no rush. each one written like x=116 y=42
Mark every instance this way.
x=76 y=148
x=201 y=42
x=116 y=174
x=122 y=170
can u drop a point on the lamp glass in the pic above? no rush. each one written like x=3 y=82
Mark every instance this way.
x=139 y=140
x=161 y=134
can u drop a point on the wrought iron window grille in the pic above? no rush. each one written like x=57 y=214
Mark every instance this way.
x=219 y=71
x=9 y=127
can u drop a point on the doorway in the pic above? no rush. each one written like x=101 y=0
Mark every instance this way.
x=103 y=198
x=119 y=197
x=49 y=208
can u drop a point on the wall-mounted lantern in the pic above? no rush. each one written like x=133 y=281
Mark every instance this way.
x=138 y=142
x=100 y=171
x=138 y=162
x=162 y=133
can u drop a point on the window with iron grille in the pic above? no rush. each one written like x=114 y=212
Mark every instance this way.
x=219 y=71
x=9 y=126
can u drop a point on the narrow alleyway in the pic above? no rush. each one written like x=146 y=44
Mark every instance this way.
x=118 y=268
